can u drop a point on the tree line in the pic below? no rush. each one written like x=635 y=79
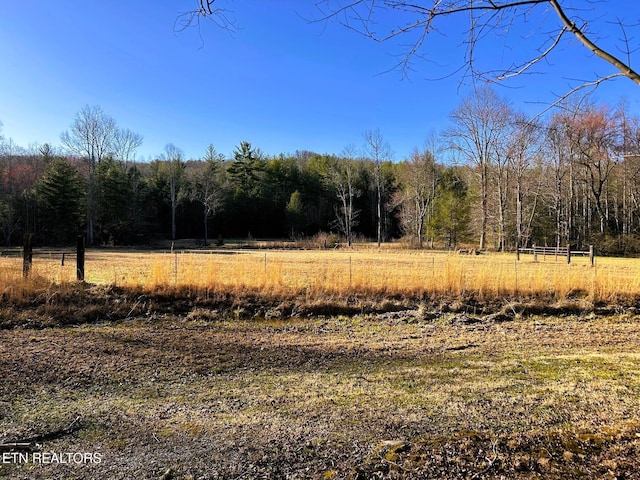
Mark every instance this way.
x=494 y=179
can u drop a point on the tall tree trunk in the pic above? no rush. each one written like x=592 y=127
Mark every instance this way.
x=173 y=209
x=379 y=204
x=484 y=206
x=91 y=202
x=206 y=226
x=519 y=234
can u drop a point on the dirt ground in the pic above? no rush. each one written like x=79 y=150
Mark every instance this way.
x=115 y=386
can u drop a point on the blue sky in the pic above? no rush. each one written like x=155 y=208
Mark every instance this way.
x=279 y=82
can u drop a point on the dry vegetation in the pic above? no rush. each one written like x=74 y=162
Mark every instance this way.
x=224 y=366
x=319 y=274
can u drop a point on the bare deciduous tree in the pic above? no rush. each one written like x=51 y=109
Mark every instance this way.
x=11 y=187
x=419 y=179
x=91 y=137
x=594 y=135
x=559 y=192
x=125 y=144
x=206 y=186
x=378 y=151
x=175 y=169
x=524 y=148
x=342 y=176
x=480 y=128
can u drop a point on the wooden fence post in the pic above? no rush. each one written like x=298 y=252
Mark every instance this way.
x=27 y=255
x=518 y=253
x=591 y=255
x=535 y=253
x=568 y=254
x=80 y=258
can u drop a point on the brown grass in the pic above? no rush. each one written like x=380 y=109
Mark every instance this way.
x=318 y=274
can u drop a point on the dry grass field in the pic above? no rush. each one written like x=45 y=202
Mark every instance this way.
x=317 y=273
x=351 y=365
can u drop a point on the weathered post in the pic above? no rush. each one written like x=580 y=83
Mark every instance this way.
x=518 y=253
x=535 y=253
x=80 y=258
x=27 y=255
x=568 y=254
x=592 y=257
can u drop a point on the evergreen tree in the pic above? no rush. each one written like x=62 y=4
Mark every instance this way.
x=113 y=202
x=245 y=170
x=452 y=207
x=61 y=193
x=246 y=173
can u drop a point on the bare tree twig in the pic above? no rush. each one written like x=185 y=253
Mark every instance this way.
x=523 y=68
x=222 y=17
x=583 y=86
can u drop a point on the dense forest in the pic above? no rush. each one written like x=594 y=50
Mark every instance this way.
x=493 y=179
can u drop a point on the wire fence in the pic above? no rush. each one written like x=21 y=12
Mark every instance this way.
x=409 y=272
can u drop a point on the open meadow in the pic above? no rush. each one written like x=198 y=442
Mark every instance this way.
x=318 y=273
x=344 y=364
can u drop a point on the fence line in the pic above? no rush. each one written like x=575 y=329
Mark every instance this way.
x=345 y=270
x=556 y=252
x=27 y=256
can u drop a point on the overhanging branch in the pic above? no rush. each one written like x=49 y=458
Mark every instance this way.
x=624 y=68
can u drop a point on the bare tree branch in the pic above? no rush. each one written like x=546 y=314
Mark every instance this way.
x=583 y=86
x=415 y=20
x=206 y=10
x=411 y=22
x=626 y=70
x=523 y=68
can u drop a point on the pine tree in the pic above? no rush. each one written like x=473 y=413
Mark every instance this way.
x=61 y=193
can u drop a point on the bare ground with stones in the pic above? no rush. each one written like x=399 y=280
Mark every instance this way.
x=170 y=386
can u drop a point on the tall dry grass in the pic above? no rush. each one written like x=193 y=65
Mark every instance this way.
x=322 y=273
